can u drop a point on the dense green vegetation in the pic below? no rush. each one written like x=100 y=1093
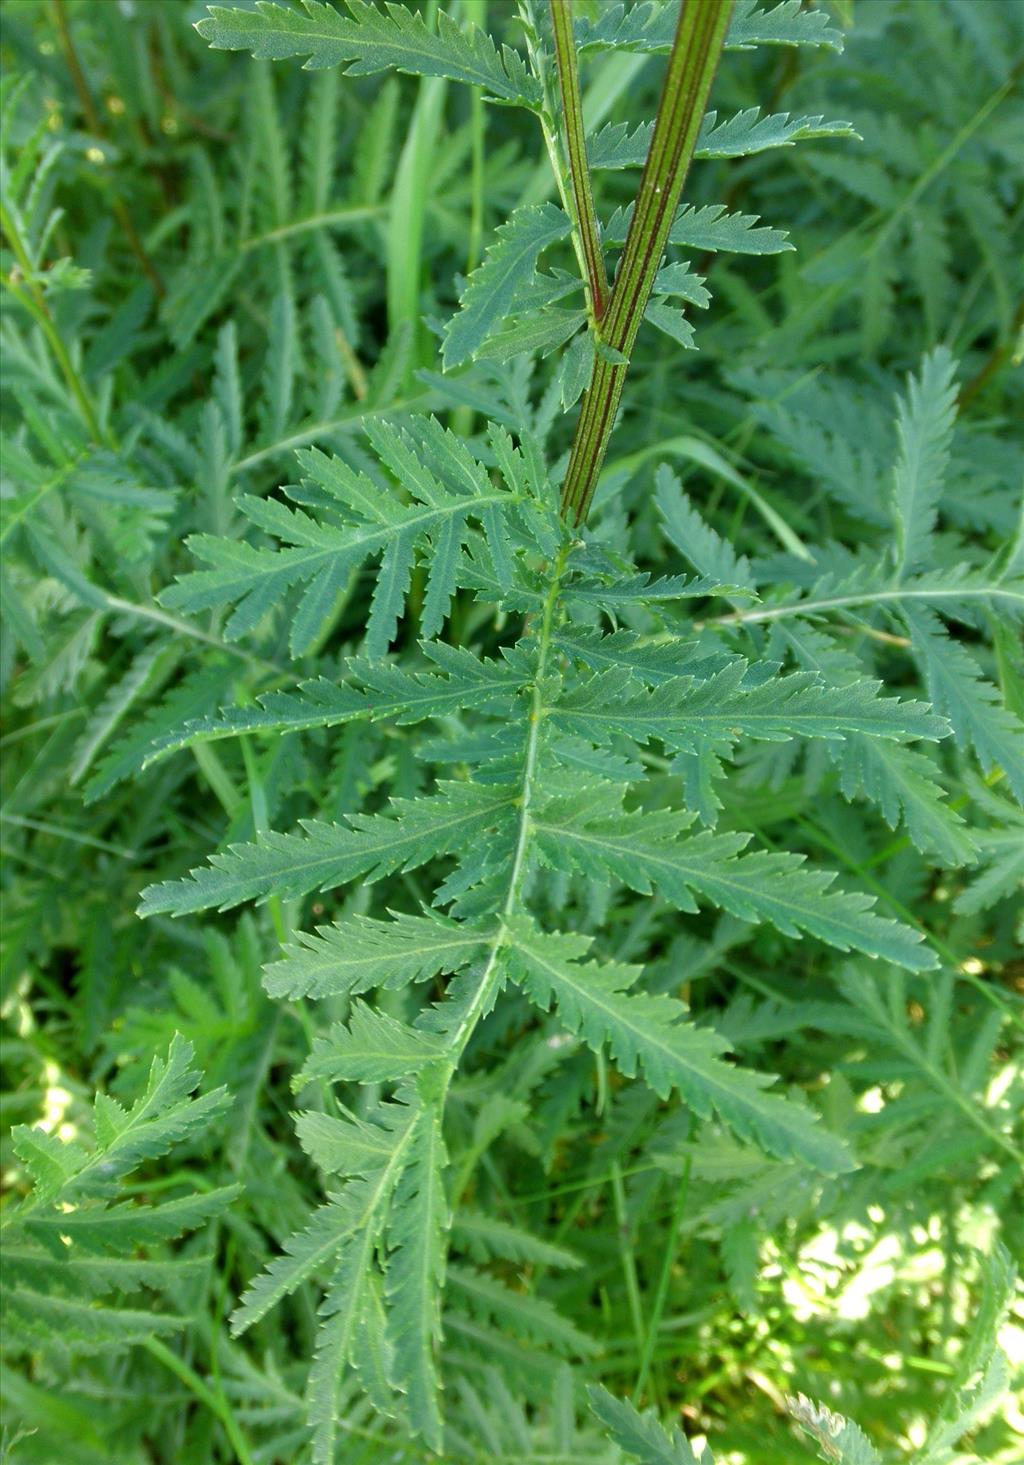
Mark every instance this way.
x=512 y=914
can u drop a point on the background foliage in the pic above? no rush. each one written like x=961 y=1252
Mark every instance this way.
x=229 y=275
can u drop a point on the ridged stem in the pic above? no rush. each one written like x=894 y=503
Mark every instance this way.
x=579 y=169
x=693 y=60
x=552 y=141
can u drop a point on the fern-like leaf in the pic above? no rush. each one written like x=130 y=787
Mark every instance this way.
x=445 y=488
x=509 y=266
x=74 y=1246
x=325 y=855
x=359 y=953
x=693 y=716
x=739 y=136
x=648 y=851
x=648 y=1032
x=709 y=228
x=649 y=26
x=415 y=1272
x=840 y=1439
x=372 y=40
x=972 y=704
x=924 y=424
x=642 y=1436
x=370 y=1048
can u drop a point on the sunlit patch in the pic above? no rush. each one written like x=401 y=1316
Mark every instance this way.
x=917 y=1433
x=56 y=1102
x=876 y=1272
x=1001 y=1083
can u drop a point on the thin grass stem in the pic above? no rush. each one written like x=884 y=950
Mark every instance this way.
x=217 y=1403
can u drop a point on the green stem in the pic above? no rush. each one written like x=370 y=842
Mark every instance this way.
x=95 y=124
x=476 y=14
x=572 y=111
x=183 y=628
x=664 y=1278
x=613 y=78
x=20 y=821
x=692 y=62
x=261 y=824
x=627 y=1255
x=216 y=1403
x=28 y=503
x=217 y=777
x=489 y=982
x=490 y=976
x=885 y=596
x=329 y=219
x=548 y=126
x=29 y=294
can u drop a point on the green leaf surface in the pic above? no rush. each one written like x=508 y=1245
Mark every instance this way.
x=642 y=1436
x=326 y=855
x=650 y=1033
x=509 y=266
x=653 y=851
x=370 y=40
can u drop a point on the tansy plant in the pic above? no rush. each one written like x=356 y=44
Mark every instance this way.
x=588 y=734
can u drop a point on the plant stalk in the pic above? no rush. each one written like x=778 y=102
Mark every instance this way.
x=572 y=111
x=215 y=1402
x=95 y=124
x=552 y=141
x=29 y=294
x=696 y=48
